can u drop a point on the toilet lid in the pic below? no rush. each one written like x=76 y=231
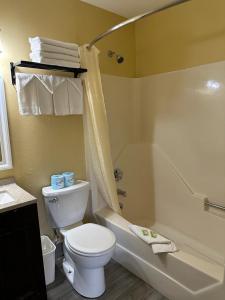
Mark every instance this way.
x=90 y=239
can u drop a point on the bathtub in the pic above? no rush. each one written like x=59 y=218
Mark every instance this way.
x=183 y=275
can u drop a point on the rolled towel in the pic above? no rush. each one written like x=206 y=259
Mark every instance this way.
x=148 y=236
x=54 y=49
x=164 y=248
x=43 y=54
x=38 y=40
x=56 y=62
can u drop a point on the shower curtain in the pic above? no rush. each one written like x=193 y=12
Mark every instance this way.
x=99 y=165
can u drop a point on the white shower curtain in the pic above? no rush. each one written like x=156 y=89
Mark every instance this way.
x=97 y=145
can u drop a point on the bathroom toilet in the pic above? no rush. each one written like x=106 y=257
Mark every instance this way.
x=87 y=247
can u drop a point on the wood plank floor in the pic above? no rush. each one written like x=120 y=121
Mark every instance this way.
x=120 y=285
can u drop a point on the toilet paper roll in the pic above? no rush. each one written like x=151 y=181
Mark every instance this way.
x=68 y=179
x=57 y=181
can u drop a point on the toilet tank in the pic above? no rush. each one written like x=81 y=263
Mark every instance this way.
x=66 y=206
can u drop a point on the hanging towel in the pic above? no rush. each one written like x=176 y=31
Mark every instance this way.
x=44 y=54
x=38 y=40
x=60 y=97
x=44 y=94
x=34 y=93
x=75 y=92
x=164 y=248
x=56 y=62
x=67 y=96
x=147 y=235
x=54 y=49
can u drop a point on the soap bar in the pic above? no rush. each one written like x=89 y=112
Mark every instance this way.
x=68 y=179
x=57 y=181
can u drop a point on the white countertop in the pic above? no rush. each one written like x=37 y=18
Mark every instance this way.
x=22 y=198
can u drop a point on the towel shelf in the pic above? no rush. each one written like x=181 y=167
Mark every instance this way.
x=34 y=65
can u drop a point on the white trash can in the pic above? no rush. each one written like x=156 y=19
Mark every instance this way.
x=48 y=252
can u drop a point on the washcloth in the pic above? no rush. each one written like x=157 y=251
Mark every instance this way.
x=54 y=49
x=44 y=94
x=164 y=248
x=158 y=243
x=38 y=40
x=43 y=54
x=56 y=62
x=147 y=235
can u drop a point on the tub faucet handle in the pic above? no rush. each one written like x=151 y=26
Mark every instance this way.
x=118 y=174
x=121 y=192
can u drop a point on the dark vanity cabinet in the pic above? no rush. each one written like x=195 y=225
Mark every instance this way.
x=21 y=263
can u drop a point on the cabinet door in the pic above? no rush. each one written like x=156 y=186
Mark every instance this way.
x=21 y=264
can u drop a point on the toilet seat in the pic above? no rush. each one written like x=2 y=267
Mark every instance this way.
x=78 y=253
x=90 y=240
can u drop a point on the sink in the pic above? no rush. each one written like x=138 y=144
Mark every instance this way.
x=6 y=198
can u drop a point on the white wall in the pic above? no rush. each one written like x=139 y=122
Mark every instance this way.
x=182 y=114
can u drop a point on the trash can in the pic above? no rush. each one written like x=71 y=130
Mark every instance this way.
x=48 y=252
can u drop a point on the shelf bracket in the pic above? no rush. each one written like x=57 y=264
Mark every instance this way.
x=13 y=73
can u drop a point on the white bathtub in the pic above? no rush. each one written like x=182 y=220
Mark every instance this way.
x=178 y=276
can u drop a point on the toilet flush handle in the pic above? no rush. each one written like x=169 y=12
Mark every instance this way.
x=53 y=200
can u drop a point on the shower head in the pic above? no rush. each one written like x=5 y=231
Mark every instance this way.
x=119 y=58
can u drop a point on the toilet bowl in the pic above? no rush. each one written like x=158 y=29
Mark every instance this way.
x=87 y=247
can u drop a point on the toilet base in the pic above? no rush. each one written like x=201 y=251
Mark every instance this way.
x=89 y=283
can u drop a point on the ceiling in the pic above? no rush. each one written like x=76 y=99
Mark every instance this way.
x=128 y=8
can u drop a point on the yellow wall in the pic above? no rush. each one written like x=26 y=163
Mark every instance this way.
x=187 y=35
x=45 y=145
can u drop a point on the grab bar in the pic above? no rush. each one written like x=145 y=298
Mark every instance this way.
x=208 y=204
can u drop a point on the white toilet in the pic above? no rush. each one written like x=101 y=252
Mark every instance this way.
x=87 y=247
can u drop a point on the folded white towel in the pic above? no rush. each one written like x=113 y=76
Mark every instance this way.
x=158 y=243
x=54 y=49
x=34 y=94
x=56 y=62
x=37 y=40
x=164 y=248
x=147 y=235
x=67 y=96
x=43 y=54
x=43 y=94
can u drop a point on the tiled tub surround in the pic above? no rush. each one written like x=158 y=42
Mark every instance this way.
x=167 y=135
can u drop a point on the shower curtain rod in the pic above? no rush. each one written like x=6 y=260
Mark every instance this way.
x=132 y=20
